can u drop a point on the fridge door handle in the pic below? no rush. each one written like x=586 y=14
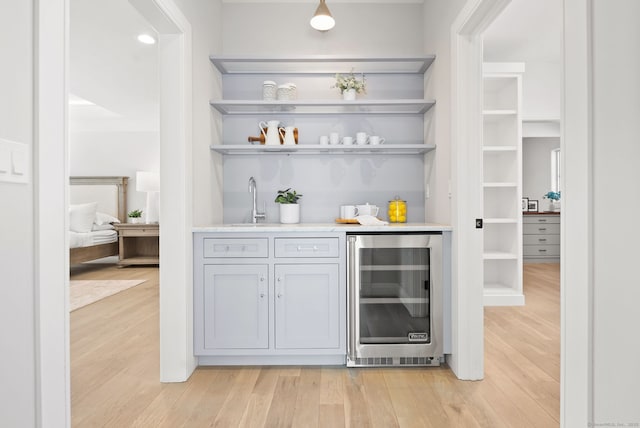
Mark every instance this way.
x=351 y=297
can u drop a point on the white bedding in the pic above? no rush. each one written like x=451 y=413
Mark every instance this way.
x=87 y=239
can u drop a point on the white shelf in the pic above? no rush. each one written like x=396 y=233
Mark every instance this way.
x=508 y=112
x=500 y=184
x=499 y=255
x=316 y=149
x=322 y=107
x=499 y=294
x=499 y=149
x=320 y=64
x=500 y=220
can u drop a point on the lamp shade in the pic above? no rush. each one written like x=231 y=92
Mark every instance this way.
x=322 y=19
x=147 y=181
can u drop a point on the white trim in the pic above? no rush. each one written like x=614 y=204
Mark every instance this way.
x=51 y=271
x=177 y=361
x=467 y=360
x=576 y=277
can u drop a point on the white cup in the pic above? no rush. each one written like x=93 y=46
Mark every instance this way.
x=375 y=139
x=367 y=209
x=347 y=141
x=334 y=138
x=348 y=211
x=324 y=140
x=361 y=138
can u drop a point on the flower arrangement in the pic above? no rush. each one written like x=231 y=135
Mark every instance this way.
x=554 y=196
x=350 y=81
x=287 y=197
x=135 y=214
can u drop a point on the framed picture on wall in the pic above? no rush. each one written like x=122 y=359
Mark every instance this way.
x=533 y=206
x=525 y=204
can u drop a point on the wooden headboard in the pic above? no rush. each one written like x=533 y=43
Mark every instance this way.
x=109 y=192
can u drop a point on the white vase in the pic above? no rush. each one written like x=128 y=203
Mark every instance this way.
x=349 y=95
x=135 y=220
x=289 y=213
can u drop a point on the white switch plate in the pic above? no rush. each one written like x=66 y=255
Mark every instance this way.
x=14 y=162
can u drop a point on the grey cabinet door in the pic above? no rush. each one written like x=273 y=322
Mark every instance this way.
x=307 y=306
x=236 y=306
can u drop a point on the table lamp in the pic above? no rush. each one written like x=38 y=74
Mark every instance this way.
x=149 y=182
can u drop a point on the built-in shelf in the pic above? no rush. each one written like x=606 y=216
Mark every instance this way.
x=320 y=64
x=323 y=107
x=499 y=255
x=500 y=184
x=499 y=220
x=490 y=149
x=316 y=149
x=508 y=112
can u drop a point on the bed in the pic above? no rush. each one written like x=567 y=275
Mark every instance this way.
x=95 y=203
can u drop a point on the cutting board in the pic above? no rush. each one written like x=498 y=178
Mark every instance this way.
x=347 y=221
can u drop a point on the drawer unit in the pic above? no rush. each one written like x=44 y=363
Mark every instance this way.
x=541 y=238
x=235 y=247
x=307 y=247
x=142 y=231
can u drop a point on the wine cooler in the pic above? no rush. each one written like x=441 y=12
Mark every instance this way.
x=395 y=299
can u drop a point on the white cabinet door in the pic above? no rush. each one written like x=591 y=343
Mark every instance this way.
x=236 y=306
x=307 y=306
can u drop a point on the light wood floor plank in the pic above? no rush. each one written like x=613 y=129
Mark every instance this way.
x=115 y=371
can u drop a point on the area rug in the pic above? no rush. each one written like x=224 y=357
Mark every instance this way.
x=83 y=293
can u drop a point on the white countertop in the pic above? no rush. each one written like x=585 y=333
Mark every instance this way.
x=321 y=227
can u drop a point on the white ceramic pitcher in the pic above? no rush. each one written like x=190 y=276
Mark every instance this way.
x=270 y=131
x=287 y=137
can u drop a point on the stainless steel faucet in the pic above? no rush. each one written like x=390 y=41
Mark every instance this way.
x=255 y=215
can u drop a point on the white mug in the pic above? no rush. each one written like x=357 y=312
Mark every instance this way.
x=348 y=211
x=367 y=209
x=347 y=141
x=334 y=138
x=324 y=140
x=375 y=139
x=361 y=138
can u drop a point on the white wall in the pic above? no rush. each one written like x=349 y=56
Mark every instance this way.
x=205 y=17
x=616 y=175
x=536 y=168
x=17 y=300
x=115 y=153
x=541 y=90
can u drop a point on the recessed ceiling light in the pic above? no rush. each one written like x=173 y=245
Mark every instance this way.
x=146 y=39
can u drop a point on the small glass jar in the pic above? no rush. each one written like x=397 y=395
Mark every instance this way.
x=269 y=90
x=397 y=210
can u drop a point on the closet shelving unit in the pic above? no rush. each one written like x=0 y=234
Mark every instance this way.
x=502 y=183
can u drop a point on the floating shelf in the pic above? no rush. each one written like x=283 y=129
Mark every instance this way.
x=490 y=149
x=499 y=184
x=323 y=107
x=316 y=149
x=321 y=64
x=499 y=255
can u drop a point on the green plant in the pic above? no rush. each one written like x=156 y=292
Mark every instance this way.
x=555 y=196
x=287 y=196
x=350 y=81
x=135 y=214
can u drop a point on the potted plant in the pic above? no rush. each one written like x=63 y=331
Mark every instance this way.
x=349 y=85
x=135 y=216
x=554 y=200
x=289 y=208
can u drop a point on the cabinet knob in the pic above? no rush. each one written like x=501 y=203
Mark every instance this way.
x=227 y=248
x=279 y=279
x=262 y=295
x=299 y=247
x=315 y=248
x=262 y=279
x=280 y=295
x=244 y=248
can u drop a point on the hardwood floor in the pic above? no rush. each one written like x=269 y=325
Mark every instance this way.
x=115 y=371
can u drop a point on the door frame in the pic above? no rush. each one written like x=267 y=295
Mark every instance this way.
x=51 y=178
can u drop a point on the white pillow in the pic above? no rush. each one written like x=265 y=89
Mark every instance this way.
x=102 y=218
x=81 y=217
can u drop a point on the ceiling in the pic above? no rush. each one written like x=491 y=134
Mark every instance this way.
x=527 y=30
x=111 y=69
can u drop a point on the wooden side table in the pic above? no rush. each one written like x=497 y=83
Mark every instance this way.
x=139 y=244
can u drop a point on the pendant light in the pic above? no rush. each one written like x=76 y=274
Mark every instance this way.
x=322 y=19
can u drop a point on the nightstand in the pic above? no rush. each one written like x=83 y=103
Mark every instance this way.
x=139 y=244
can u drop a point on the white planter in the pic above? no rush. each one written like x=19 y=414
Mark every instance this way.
x=134 y=220
x=349 y=95
x=289 y=213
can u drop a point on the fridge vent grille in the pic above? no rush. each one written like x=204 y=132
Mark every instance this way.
x=401 y=361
